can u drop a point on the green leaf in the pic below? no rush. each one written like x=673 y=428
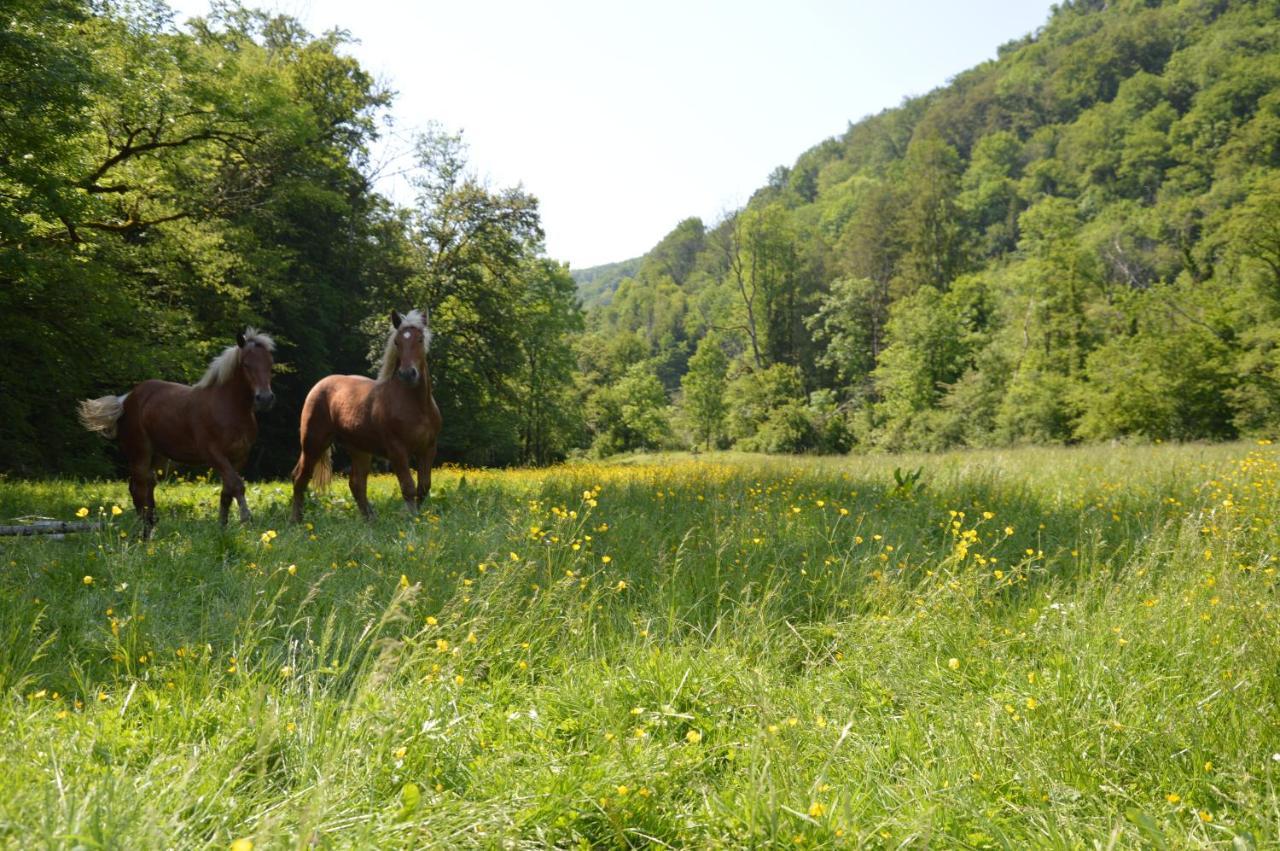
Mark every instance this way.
x=410 y=798
x=1148 y=827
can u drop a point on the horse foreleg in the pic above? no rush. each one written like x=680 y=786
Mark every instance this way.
x=425 y=461
x=359 y=481
x=232 y=488
x=224 y=504
x=400 y=466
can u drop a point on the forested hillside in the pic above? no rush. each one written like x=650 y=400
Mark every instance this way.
x=1079 y=240
x=163 y=185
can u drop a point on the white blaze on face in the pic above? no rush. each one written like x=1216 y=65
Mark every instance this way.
x=406 y=335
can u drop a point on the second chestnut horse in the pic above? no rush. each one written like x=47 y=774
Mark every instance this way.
x=394 y=417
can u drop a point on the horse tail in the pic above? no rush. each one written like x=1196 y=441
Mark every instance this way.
x=324 y=470
x=103 y=414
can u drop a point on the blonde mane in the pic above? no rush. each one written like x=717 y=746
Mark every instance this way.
x=223 y=367
x=413 y=319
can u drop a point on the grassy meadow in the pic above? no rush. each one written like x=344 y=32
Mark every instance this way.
x=1061 y=648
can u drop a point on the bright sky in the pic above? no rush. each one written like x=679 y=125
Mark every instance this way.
x=625 y=117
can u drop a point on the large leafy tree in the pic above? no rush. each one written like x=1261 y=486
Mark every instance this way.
x=503 y=320
x=704 y=384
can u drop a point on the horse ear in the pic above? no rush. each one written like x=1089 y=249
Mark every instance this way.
x=240 y=339
x=395 y=319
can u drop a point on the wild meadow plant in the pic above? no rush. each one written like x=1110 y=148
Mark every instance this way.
x=1031 y=648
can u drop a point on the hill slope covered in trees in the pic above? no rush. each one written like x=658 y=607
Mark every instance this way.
x=1077 y=240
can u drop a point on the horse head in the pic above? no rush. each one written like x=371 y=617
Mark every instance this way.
x=411 y=338
x=256 y=362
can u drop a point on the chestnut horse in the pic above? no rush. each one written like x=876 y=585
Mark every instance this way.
x=211 y=423
x=394 y=417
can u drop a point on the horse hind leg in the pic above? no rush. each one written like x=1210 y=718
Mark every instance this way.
x=142 y=479
x=316 y=459
x=301 y=478
x=142 y=489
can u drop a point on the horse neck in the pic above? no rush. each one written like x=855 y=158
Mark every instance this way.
x=426 y=381
x=423 y=391
x=237 y=391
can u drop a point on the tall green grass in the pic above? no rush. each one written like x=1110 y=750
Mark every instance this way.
x=1035 y=648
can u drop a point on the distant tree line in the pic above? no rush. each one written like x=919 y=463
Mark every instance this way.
x=1077 y=241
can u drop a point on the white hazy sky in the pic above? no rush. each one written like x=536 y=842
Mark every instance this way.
x=625 y=117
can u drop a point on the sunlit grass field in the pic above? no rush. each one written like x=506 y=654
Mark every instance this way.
x=1064 y=648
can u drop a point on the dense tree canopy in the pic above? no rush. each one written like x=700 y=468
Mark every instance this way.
x=163 y=186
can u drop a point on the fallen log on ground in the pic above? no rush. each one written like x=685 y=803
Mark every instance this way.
x=46 y=526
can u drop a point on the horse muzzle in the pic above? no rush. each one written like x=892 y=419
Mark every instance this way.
x=409 y=376
x=264 y=401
